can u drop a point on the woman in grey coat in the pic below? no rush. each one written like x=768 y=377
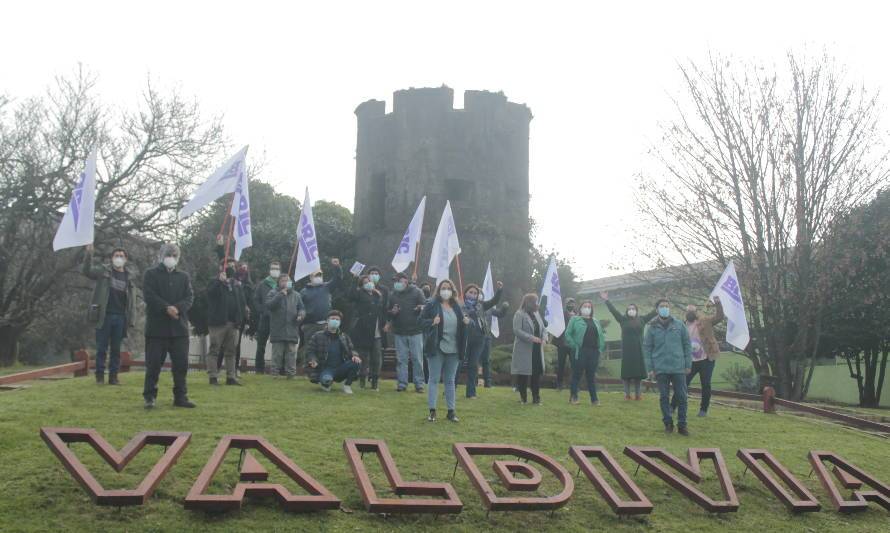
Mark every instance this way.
x=528 y=348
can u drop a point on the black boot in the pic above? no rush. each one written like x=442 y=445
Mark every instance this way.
x=112 y=379
x=683 y=430
x=100 y=378
x=183 y=402
x=232 y=381
x=214 y=381
x=668 y=427
x=374 y=385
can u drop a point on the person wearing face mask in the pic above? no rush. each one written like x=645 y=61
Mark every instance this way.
x=585 y=338
x=445 y=343
x=375 y=278
x=528 y=349
x=427 y=290
x=168 y=297
x=402 y=312
x=317 y=299
x=111 y=309
x=477 y=331
x=332 y=355
x=236 y=277
x=633 y=368
x=242 y=278
x=263 y=328
x=367 y=328
x=705 y=350
x=668 y=355
x=226 y=310
x=563 y=351
x=286 y=312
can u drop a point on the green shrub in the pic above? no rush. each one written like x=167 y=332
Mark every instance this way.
x=741 y=378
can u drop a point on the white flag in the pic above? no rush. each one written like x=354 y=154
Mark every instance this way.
x=241 y=212
x=488 y=294
x=730 y=293
x=407 y=250
x=307 y=249
x=553 y=313
x=223 y=181
x=445 y=246
x=77 y=227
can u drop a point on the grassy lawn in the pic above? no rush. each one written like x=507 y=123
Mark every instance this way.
x=309 y=426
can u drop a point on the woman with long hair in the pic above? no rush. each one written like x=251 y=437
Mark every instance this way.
x=478 y=330
x=528 y=349
x=444 y=345
x=585 y=338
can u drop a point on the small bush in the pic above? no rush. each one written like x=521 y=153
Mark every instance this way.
x=742 y=378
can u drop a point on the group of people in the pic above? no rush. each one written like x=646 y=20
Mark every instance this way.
x=434 y=329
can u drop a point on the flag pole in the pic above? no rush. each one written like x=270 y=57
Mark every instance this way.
x=460 y=276
x=293 y=257
x=230 y=232
x=416 y=258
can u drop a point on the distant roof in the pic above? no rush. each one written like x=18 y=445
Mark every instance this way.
x=658 y=276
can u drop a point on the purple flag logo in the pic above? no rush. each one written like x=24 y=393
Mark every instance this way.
x=307 y=239
x=405 y=245
x=233 y=172
x=731 y=287
x=76 y=199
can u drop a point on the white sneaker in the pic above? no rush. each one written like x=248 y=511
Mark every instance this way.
x=347 y=389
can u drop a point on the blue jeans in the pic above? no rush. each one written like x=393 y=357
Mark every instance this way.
x=442 y=366
x=665 y=381
x=346 y=372
x=475 y=346
x=112 y=332
x=586 y=363
x=409 y=346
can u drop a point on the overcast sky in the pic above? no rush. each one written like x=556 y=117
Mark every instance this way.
x=287 y=78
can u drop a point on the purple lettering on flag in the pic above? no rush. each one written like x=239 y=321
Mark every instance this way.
x=76 y=199
x=307 y=239
x=554 y=284
x=731 y=287
x=234 y=171
x=243 y=217
x=405 y=245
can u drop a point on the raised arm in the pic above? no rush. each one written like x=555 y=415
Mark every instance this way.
x=618 y=315
x=719 y=315
x=494 y=299
x=91 y=269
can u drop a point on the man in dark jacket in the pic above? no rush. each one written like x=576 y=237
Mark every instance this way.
x=168 y=298
x=111 y=309
x=263 y=288
x=226 y=311
x=317 y=300
x=403 y=309
x=333 y=356
x=285 y=314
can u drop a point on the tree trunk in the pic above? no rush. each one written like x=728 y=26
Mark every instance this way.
x=9 y=342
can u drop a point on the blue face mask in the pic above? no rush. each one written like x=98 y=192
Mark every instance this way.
x=290 y=284
x=664 y=312
x=375 y=278
x=399 y=286
x=368 y=286
x=470 y=301
x=333 y=324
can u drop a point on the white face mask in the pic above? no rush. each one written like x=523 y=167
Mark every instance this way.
x=631 y=313
x=170 y=262
x=118 y=262
x=275 y=273
x=317 y=280
x=445 y=294
x=585 y=311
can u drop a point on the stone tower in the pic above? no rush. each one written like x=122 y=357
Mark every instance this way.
x=476 y=157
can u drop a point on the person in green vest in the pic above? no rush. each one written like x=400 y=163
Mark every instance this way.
x=633 y=368
x=586 y=341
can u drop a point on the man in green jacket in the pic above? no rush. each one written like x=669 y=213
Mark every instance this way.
x=668 y=355
x=111 y=309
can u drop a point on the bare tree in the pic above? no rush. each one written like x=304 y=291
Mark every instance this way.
x=756 y=166
x=151 y=155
